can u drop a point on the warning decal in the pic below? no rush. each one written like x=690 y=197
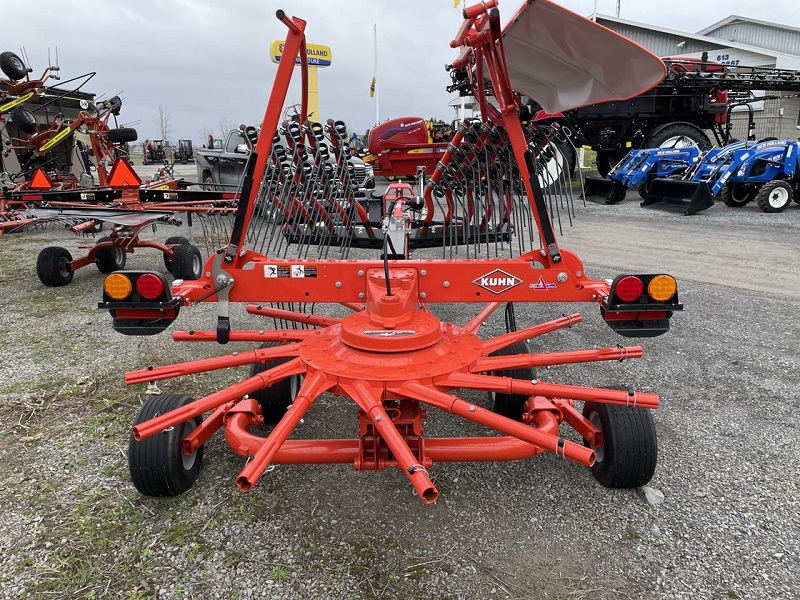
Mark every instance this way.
x=293 y=271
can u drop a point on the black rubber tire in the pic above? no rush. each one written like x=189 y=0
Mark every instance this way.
x=110 y=259
x=274 y=400
x=736 y=195
x=678 y=130
x=52 y=266
x=774 y=196
x=511 y=405
x=171 y=241
x=208 y=183
x=630 y=448
x=187 y=263
x=12 y=66
x=607 y=160
x=556 y=159
x=157 y=464
x=122 y=135
x=644 y=189
x=23 y=119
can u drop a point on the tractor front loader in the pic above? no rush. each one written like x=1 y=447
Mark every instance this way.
x=483 y=233
x=767 y=172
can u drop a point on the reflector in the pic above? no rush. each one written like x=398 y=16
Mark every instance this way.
x=662 y=288
x=629 y=288
x=117 y=286
x=149 y=286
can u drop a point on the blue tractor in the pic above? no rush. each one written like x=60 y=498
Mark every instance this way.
x=767 y=172
x=640 y=167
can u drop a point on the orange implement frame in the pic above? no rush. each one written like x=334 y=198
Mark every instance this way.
x=392 y=357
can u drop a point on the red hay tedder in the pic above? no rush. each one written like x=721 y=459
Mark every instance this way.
x=481 y=232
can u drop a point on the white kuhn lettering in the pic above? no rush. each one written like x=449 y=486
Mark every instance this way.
x=497 y=281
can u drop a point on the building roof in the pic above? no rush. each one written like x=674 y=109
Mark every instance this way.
x=740 y=19
x=711 y=41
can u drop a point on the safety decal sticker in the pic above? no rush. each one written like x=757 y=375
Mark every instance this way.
x=274 y=271
x=290 y=271
x=542 y=285
x=497 y=281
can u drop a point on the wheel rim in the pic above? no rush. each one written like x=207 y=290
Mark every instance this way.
x=599 y=451
x=678 y=141
x=740 y=194
x=294 y=386
x=63 y=266
x=550 y=170
x=196 y=265
x=778 y=197
x=188 y=459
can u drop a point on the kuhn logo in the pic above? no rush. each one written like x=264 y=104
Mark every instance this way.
x=497 y=281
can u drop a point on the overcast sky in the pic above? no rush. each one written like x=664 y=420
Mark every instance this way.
x=207 y=61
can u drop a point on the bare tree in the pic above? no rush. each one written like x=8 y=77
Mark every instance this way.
x=225 y=127
x=164 y=124
x=207 y=132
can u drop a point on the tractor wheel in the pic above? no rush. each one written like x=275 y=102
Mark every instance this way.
x=24 y=119
x=678 y=136
x=274 y=400
x=736 y=195
x=187 y=262
x=157 y=464
x=12 y=66
x=553 y=164
x=173 y=241
x=122 y=135
x=644 y=189
x=774 y=196
x=110 y=259
x=511 y=405
x=629 y=452
x=607 y=160
x=52 y=266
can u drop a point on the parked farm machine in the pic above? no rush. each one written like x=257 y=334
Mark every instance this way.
x=767 y=172
x=481 y=232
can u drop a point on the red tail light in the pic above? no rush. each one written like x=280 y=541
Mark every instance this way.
x=150 y=286
x=629 y=289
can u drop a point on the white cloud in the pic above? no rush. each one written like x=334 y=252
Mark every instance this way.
x=206 y=61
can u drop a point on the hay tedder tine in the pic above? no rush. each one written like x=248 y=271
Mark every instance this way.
x=475 y=322
x=260 y=335
x=548 y=390
x=545 y=359
x=467 y=410
x=212 y=401
x=288 y=315
x=514 y=337
x=237 y=359
x=313 y=385
x=369 y=400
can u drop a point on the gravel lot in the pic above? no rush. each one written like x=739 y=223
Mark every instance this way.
x=729 y=467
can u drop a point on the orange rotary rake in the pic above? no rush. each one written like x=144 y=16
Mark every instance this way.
x=480 y=232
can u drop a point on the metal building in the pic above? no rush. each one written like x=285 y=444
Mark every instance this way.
x=735 y=41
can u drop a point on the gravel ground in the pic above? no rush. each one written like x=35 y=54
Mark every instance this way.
x=729 y=470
